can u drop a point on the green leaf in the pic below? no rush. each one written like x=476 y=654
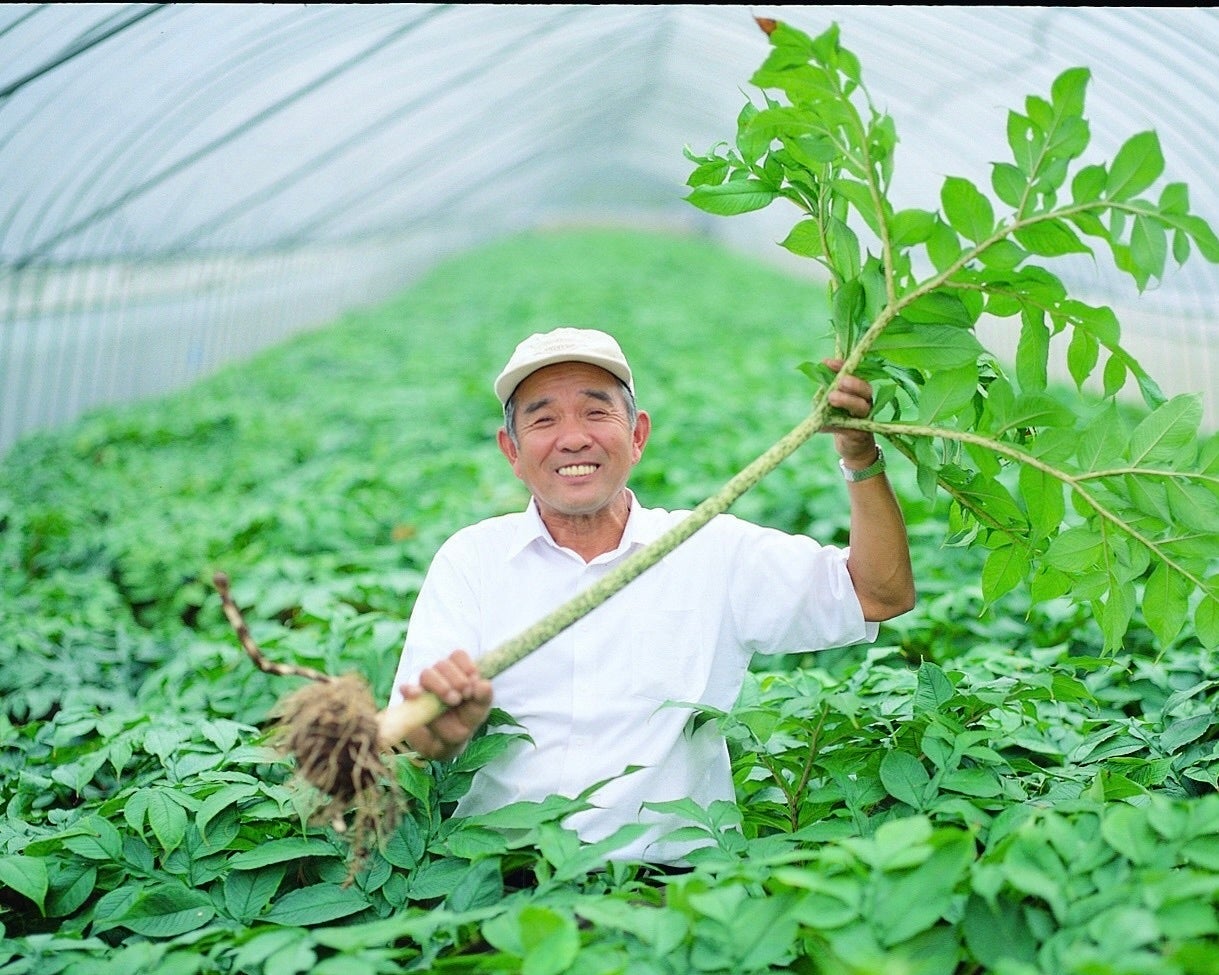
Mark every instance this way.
x=167 y=911
x=947 y=391
x=27 y=876
x=546 y=941
x=1149 y=246
x=1005 y=568
x=911 y=902
x=1032 y=352
x=280 y=851
x=1003 y=255
x=860 y=196
x=1068 y=91
x=732 y=198
x=934 y=688
x=1075 y=549
x=927 y=346
x=1031 y=866
x=1201 y=234
x=225 y=798
x=992 y=499
x=550 y=941
x=1103 y=442
x=847 y=312
x=1114 y=375
x=843 y=248
x=292 y=948
x=1043 y=501
x=247 y=892
x=904 y=777
x=1116 y=612
x=804 y=239
x=1206 y=618
x=998 y=932
x=1050 y=238
x=1009 y=184
x=101 y=841
x=1083 y=352
x=1181 y=733
x=1170 y=429
x=708 y=174
x=1174 y=199
x=166 y=818
x=981 y=783
x=1136 y=166
x=1026 y=142
x=939 y=307
x=1165 y=603
x=1034 y=410
x=778 y=122
x=72 y=885
x=909 y=227
x=750 y=142
x=943 y=246
x=967 y=210
x=663 y=931
x=316 y=904
x=1088 y=186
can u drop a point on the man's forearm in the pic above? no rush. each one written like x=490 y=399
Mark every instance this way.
x=879 y=560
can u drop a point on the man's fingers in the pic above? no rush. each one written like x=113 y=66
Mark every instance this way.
x=442 y=680
x=852 y=393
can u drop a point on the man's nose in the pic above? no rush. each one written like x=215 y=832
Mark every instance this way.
x=573 y=435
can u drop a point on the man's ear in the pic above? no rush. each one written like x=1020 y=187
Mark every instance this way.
x=506 y=446
x=639 y=436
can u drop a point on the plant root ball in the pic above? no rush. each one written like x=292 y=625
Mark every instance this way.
x=330 y=727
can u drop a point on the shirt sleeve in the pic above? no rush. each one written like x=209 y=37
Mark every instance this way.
x=789 y=593
x=445 y=618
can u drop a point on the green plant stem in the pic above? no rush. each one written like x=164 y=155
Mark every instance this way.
x=806 y=771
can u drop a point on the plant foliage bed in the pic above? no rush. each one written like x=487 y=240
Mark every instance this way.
x=992 y=787
x=981 y=787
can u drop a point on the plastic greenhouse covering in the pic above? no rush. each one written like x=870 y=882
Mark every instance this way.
x=182 y=184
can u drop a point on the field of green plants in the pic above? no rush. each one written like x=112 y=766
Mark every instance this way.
x=983 y=790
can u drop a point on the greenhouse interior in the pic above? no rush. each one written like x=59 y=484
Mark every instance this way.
x=919 y=305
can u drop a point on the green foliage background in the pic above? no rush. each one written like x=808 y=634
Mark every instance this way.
x=975 y=793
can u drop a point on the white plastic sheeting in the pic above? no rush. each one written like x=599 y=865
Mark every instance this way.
x=181 y=184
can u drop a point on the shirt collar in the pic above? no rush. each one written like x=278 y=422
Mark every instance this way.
x=641 y=528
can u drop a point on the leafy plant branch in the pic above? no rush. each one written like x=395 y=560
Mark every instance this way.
x=913 y=333
x=1075 y=482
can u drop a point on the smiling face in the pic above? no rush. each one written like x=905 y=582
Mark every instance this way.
x=575 y=445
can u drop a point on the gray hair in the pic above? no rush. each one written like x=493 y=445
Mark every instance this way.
x=632 y=410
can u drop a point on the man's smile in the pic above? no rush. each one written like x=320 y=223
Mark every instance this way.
x=577 y=470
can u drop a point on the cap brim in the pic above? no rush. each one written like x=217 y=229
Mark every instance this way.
x=509 y=379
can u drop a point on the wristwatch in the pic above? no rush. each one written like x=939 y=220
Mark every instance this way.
x=876 y=467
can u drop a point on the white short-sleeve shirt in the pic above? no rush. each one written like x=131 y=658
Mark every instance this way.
x=591 y=699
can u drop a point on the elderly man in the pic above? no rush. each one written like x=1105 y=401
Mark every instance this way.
x=592 y=700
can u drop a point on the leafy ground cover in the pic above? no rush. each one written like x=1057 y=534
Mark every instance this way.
x=978 y=792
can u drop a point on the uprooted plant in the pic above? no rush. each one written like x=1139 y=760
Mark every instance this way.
x=1005 y=447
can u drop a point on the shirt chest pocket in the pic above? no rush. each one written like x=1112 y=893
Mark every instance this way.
x=663 y=655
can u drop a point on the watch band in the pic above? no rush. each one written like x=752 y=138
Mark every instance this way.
x=876 y=467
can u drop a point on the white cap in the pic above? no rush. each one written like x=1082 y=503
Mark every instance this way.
x=562 y=345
